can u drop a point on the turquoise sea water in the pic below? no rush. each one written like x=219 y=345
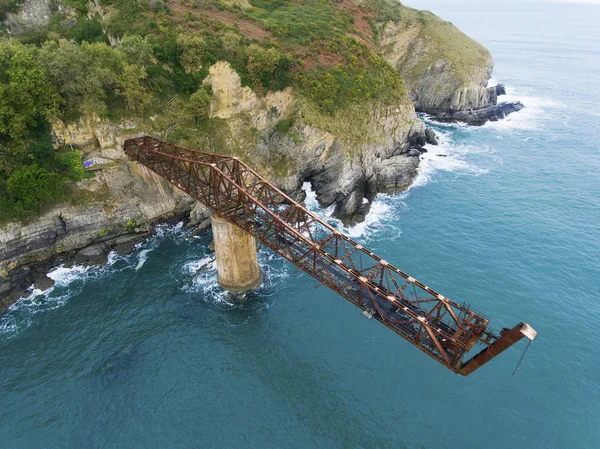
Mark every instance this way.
x=147 y=353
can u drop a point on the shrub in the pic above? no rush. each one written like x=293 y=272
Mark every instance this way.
x=283 y=126
x=70 y=164
x=130 y=87
x=32 y=187
x=192 y=48
x=131 y=225
x=341 y=86
x=267 y=68
x=198 y=105
x=231 y=43
x=88 y=30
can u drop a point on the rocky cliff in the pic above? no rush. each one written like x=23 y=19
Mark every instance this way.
x=113 y=211
x=121 y=202
x=349 y=154
x=342 y=172
x=446 y=71
x=31 y=14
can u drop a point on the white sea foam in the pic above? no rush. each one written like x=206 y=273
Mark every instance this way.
x=20 y=315
x=447 y=156
x=142 y=258
x=65 y=275
x=208 y=263
x=203 y=272
x=164 y=230
x=385 y=209
x=380 y=211
x=527 y=118
x=203 y=282
x=69 y=280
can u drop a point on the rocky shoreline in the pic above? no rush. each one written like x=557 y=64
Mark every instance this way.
x=492 y=112
x=16 y=283
x=479 y=117
x=125 y=200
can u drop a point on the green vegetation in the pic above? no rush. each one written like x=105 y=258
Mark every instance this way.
x=445 y=42
x=131 y=225
x=283 y=126
x=160 y=54
x=303 y=22
x=450 y=42
x=192 y=49
x=60 y=79
x=198 y=106
x=339 y=87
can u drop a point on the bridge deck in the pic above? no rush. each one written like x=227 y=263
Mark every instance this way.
x=442 y=328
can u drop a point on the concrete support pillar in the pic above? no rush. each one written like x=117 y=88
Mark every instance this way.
x=237 y=261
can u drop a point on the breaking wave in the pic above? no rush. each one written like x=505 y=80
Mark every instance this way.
x=447 y=156
x=69 y=280
x=201 y=279
x=382 y=211
x=385 y=212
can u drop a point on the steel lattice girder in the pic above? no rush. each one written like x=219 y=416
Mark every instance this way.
x=442 y=328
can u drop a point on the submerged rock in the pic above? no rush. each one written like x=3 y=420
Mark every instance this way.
x=430 y=136
x=479 y=117
x=43 y=283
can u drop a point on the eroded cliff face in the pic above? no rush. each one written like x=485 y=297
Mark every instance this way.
x=119 y=205
x=112 y=211
x=446 y=72
x=440 y=74
x=347 y=174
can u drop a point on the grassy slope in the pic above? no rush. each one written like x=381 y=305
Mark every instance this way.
x=445 y=42
x=435 y=59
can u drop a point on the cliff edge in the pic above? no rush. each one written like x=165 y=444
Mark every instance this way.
x=446 y=72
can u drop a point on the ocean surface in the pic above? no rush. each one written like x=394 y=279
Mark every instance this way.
x=147 y=352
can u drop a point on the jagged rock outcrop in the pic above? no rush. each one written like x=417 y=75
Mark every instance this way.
x=31 y=14
x=342 y=173
x=480 y=116
x=446 y=72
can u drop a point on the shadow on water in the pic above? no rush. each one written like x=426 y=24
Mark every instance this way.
x=305 y=384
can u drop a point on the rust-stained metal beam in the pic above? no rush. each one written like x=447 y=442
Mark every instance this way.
x=443 y=329
x=508 y=337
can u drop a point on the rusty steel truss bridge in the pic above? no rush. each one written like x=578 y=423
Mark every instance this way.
x=443 y=329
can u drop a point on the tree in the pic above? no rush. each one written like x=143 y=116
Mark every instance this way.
x=198 y=106
x=27 y=101
x=192 y=48
x=31 y=187
x=85 y=74
x=231 y=43
x=261 y=63
x=26 y=96
x=78 y=76
x=137 y=51
x=130 y=87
